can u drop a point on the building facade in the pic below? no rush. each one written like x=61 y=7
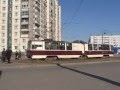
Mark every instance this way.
x=24 y=20
x=54 y=14
x=106 y=39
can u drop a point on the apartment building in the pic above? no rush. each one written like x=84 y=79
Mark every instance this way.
x=24 y=20
x=5 y=23
x=53 y=20
x=106 y=39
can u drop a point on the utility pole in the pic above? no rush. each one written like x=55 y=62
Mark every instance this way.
x=103 y=39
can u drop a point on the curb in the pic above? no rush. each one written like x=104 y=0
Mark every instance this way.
x=16 y=65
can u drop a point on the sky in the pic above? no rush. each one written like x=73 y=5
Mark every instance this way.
x=82 y=18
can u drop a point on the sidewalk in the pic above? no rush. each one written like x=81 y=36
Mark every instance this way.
x=30 y=62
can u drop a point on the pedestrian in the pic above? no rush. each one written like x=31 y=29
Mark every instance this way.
x=19 y=55
x=16 y=55
x=3 y=55
x=8 y=54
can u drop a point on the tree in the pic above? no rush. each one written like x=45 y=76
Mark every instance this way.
x=79 y=41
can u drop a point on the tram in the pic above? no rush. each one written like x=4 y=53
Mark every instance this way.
x=60 y=49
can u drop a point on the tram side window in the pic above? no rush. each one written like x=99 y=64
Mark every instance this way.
x=47 y=45
x=99 y=47
x=69 y=46
x=50 y=46
x=54 y=46
x=105 y=47
x=35 y=46
x=89 y=46
x=61 y=46
x=95 y=47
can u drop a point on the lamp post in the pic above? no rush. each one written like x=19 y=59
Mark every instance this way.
x=103 y=37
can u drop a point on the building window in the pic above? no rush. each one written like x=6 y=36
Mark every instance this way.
x=24 y=26
x=16 y=7
x=24 y=40
x=16 y=27
x=3 y=40
x=23 y=47
x=10 y=9
x=16 y=33
x=16 y=20
x=25 y=13
x=4 y=2
x=16 y=47
x=24 y=6
x=24 y=32
x=3 y=34
x=16 y=13
x=15 y=40
x=3 y=21
x=24 y=20
x=3 y=14
x=3 y=27
x=3 y=8
x=24 y=0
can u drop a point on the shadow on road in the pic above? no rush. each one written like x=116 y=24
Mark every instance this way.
x=0 y=73
x=91 y=75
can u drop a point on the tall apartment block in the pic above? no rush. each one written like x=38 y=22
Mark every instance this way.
x=24 y=20
x=53 y=20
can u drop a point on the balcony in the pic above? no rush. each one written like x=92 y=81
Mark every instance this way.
x=24 y=9
x=25 y=16
x=24 y=22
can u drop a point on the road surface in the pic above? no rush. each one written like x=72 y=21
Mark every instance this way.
x=91 y=76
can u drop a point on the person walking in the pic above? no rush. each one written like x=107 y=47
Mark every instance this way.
x=19 y=55
x=3 y=55
x=8 y=54
x=16 y=55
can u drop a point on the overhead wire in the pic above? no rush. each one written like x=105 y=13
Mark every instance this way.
x=74 y=14
x=76 y=11
x=67 y=25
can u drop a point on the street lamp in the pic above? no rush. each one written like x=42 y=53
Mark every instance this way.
x=103 y=39
x=103 y=33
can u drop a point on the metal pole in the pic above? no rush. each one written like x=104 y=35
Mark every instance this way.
x=102 y=38
x=102 y=42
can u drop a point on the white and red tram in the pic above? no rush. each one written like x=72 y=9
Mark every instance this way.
x=60 y=49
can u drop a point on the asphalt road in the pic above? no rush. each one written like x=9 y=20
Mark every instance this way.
x=89 y=76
